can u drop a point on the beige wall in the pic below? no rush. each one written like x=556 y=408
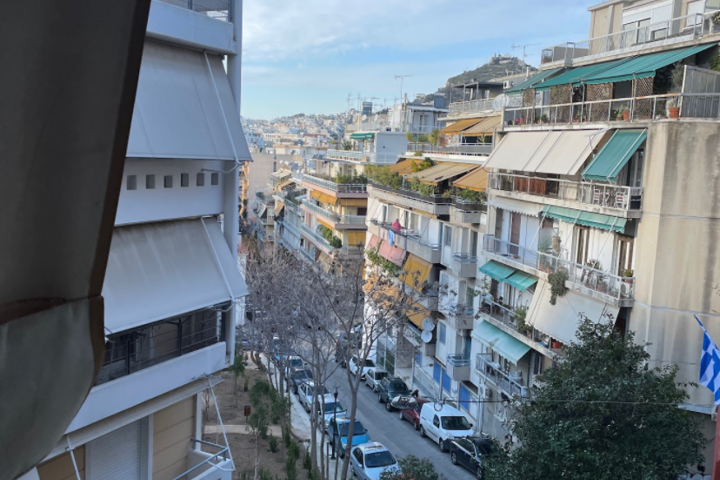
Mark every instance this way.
x=61 y=467
x=173 y=427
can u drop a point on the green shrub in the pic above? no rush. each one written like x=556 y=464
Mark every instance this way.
x=286 y=436
x=265 y=474
x=307 y=463
x=293 y=451
x=557 y=284
x=290 y=471
x=273 y=443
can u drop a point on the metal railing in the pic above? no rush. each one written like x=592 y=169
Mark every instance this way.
x=435 y=199
x=462 y=149
x=471 y=106
x=337 y=187
x=334 y=217
x=608 y=284
x=461 y=257
x=460 y=309
x=217 y=9
x=351 y=155
x=222 y=453
x=597 y=194
x=361 y=157
x=494 y=374
x=458 y=360
x=412 y=235
x=315 y=236
x=675 y=30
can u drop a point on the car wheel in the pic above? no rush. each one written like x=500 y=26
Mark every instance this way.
x=422 y=431
x=388 y=407
x=441 y=445
x=453 y=458
x=417 y=425
x=375 y=388
x=380 y=398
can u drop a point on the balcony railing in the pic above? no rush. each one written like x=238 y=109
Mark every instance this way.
x=461 y=257
x=458 y=360
x=217 y=9
x=319 y=239
x=351 y=155
x=481 y=105
x=334 y=217
x=435 y=199
x=356 y=156
x=462 y=149
x=613 y=286
x=337 y=187
x=596 y=194
x=675 y=30
x=492 y=371
x=412 y=235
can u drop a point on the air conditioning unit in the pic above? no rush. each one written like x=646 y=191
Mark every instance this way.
x=507 y=84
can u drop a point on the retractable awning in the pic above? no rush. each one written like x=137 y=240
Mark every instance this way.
x=404 y=167
x=459 y=126
x=282 y=173
x=373 y=241
x=415 y=272
x=496 y=271
x=390 y=252
x=517 y=206
x=560 y=152
x=324 y=223
x=501 y=342
x=356 y=238
x=261 y=210
x=475 y=180
x=486 y=127
x=595 y=220
x=643 y=66
x=177 y=111
x=533 y=81
x=285 y=184
x=362 y=136
x=578 y=75
x=614 y=155
x=560 y=321
x=521 y=280
x=323 y=197
x=441 y=172
x=352 y=202
x=279 y=207
x=160 y=270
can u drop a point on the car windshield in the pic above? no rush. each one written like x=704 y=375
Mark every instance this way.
x=397 y=386
x=302 y=374
x=380 y=375
x=345 y=428
x=455 y=423
x=369 y=363
x=379 y=459
x=332 y=407
x=296 y=362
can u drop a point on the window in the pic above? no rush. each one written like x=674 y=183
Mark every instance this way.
x=537 y=363
x=131 y=182
x=167 y=181
x=184 y=179
x=441 y=333
x=214 y=178
x=200 y=179
x=436 y=421
x=447 y=241
x=358 y=456
x=413 y=223
x=625 y=253
x=583 y=239
x=149 y=181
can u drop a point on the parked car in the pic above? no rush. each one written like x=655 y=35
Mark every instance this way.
x=307 y=394
x=370 y=460
x=469 y=451
x=355 y=367
x=329 y=409
x=374 y=376
x=412 y=415
x=345 y=344
x=338 y=429
x=447 y=423
x=389 y=388
x=298 y=377
x=293 y=362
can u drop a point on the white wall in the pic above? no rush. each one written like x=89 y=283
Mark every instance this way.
x=390 y=143
x=144 y=205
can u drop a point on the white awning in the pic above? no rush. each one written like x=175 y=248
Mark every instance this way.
x=177 y=111
x=561 y=320
x=161 y=270
x=517 y=206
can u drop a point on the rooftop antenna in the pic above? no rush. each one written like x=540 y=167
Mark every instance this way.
x=515 y=47
x=402 y=99
x=349 y=100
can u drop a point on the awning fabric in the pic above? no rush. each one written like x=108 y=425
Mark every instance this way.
x=281 y=173
x=577 y=75
x=395 y=254
x=279 y=207
x=323 y=197
x=261 y=210
x=459 y=126
x=643 y=66
x=595 y=220
x=324 y=222
x=383 y=294
x=373 y=241
x=356 y=238
x=614 y=155
x=442 y=171
x=486 y=127
x=560 y=152
x=160 y=270
x=561 y=320
x=177 y=113
x=285 y=184
x=501 y=342
x=415 y=272
x=362 y=136
x=533 y=81
x=517 y=206
x=416 y=314
x=404 y=167
x=352 y=202
x=496 y=271
x=521 y=280
x=475 y=180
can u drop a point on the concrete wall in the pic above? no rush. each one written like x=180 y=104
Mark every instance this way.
x=61 y=467
x=172 y=429
x=259 y=171
x=390 y=143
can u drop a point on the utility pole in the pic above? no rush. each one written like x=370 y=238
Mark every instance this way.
x=402 y=99
x=515 y=47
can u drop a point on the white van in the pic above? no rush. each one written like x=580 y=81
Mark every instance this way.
x=444 y=423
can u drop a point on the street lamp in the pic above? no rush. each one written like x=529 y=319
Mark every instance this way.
x=337 y=431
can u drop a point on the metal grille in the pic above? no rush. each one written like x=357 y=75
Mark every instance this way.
x=643 y=87
x=560 y=94
x=116 y=456
x=600 y=91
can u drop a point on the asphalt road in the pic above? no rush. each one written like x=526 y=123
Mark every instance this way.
x=386 y=428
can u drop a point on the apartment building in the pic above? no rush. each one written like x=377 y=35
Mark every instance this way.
x=172 y=281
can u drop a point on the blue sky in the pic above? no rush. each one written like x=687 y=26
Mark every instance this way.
x=308 y=55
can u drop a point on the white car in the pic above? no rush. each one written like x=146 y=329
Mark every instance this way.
x=355 y=367
x=329 y=409
x=306 y=395
x=373 y=377
x=370 y=460
x=444 y=424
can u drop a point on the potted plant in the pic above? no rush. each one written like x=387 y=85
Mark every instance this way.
x=628 y=274
x=520 y=314
x=715 y=20
x=673 y=109
x=543 y=118
x=623 y=114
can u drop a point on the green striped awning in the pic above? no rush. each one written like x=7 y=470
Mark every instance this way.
x=501 y=342
x=614 y=155
x=532 y=81
x=643 y=66
x=594 y=220
x=577 y=75
x=520 y=280
x=496 y=271
x=362 y=136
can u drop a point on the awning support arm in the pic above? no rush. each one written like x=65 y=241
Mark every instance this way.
x=72 y=456
x=222 y=110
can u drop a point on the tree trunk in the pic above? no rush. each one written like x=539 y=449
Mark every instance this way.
x=235 y=389
x=257 y=454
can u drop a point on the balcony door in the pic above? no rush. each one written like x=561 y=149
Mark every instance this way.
x=515 y=221
x=624 y=253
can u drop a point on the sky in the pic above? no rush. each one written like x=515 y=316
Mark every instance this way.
x=307 y=56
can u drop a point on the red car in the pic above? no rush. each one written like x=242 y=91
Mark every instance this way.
x=412 y=415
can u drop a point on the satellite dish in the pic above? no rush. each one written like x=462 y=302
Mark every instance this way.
x=426 y=336
x=364 y=118
x=500 y=101
x=428 y=325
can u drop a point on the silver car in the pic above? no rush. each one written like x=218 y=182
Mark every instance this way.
x=373 y=377
x=306 y=394
x=371 y=459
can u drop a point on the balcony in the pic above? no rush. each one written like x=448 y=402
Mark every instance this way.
x=596 y=283
x=466 y=150
x=208 y=466
x=483 y=105
x=265 y=197
x=468 y=212
x=464 y=265
x=340 y=221
x=688 y=28
x=433 y=204
x=320 y=241
x=459 y=316
x=595 y=197
x=409 y=240
x=458 y=367
x=512 y=386
x=354 y=156
x=355 y=188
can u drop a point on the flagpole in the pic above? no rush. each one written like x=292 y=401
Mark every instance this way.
x=716 y=455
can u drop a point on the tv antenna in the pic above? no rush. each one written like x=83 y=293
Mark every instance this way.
x=349 y=100
x=516 y=47
x=402 y=81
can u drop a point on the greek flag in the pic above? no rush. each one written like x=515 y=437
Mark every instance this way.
x=710 y=365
